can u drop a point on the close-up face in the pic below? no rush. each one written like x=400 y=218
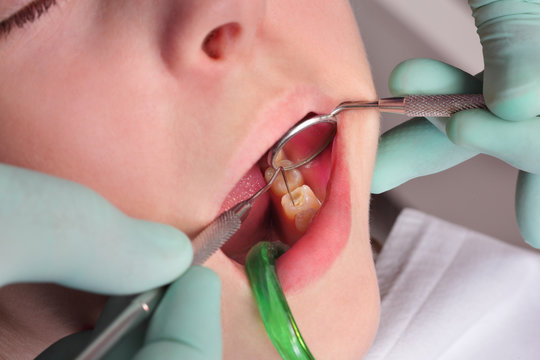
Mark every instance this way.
x=167 y=109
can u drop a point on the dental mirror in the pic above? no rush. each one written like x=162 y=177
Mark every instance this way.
x=303 y=142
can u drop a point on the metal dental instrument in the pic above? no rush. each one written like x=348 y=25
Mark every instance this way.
x=419 y=105
x=287 y=186
x=213 y=237
x=318 y=132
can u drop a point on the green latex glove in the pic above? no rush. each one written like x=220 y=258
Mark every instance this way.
x=54 y=230
x=421 y=147
x=186 y=325
x=509 y=31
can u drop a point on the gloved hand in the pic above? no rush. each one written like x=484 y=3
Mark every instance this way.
x=186 y=325
x=421 y=147
x=54 y=230
x=509 y=31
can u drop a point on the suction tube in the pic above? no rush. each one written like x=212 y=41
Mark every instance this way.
x=273 y=307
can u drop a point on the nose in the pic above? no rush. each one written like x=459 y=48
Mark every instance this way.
x=215 y=31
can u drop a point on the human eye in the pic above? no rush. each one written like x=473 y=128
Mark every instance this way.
x=27 y=14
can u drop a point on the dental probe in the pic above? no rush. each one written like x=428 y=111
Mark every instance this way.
x=211 y=239
x=321 y=129
x=419 y=105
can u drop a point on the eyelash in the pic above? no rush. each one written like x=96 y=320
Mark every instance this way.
x=27 y=14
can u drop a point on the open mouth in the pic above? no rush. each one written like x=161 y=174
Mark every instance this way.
x=274 y=216
x=280 y=215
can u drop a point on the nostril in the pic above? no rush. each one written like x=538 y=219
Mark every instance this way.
x=220 y=41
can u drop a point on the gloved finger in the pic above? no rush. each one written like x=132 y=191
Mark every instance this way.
x=187 y=323
x=432 y=77
x=510 y=31
x=509 y=96
x=513 y=142
x=528 y=207
x=412 y=149
x=416 y=148
x=429 y=77
x=54 y=230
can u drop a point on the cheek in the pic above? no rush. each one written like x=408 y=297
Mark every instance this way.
x=114 y=128
x=325 y=45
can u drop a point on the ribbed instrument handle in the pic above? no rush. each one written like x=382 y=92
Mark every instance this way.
x=441 y=105
x=214 y=236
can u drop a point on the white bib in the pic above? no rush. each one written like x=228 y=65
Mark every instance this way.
x=451 y=293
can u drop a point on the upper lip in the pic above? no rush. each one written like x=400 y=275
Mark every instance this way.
x=272 y=121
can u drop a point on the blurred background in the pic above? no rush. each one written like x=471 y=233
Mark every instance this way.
x=478 y=194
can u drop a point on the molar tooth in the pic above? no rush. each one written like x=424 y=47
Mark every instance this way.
x=303 y=219
x=280 y=156
x=306 y=205
x=294 y=179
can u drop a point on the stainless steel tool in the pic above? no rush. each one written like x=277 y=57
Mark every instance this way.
x=319 y=130
x=419 y=105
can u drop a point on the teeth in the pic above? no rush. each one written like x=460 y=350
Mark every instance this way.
x=294 y=179
x=280 y=157
x=306 y=204
x=305 y=207
x=303 y=219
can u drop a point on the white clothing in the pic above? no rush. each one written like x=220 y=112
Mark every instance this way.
x=450 y=293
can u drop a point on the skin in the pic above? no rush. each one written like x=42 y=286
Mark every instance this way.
x=122 y=97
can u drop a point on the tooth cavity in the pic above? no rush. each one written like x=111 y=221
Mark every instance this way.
x=305 y=207
x=294 y=179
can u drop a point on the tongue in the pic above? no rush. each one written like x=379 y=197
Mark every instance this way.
x=255 y=227
x=252 y=182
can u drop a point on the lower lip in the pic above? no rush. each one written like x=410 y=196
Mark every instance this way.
x=311 y=256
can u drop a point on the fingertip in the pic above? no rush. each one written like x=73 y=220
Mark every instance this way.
x=380 y=183
x=165 y=250
x=398 y=77
x=456 y=128
x=404 y=76
x=528 y=207
x=531 y=238
x=466 y=128
x=424 y=76
x=520 y=105
x=139 y=255
x=378 y=188
x=162 y=238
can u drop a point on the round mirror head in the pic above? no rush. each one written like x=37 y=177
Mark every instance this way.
x=303 y=142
